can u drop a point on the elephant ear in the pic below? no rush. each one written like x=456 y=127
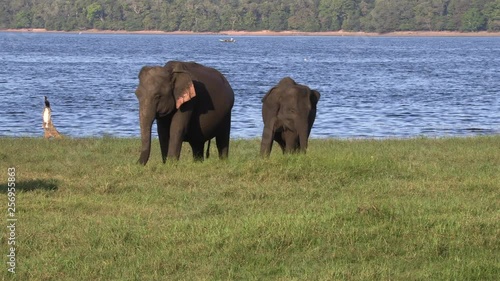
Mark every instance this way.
x=314 y=97
x=183 y=86
x=268 y=94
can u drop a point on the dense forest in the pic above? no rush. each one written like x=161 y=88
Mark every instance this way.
x=250 y=15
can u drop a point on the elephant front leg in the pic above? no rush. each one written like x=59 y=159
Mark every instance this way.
x=175 y=143
x=178 y=130
x=163 y=125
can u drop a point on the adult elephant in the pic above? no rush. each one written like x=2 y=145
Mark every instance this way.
x=190 y=102
x=288 y=111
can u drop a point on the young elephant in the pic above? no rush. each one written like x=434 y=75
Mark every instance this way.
x=288 y=111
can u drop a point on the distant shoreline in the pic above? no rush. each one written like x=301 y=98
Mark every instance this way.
x=273 y=33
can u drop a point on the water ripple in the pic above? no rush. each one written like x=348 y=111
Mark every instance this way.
x=370 y=87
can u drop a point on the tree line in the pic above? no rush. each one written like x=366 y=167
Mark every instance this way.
x=252 y=15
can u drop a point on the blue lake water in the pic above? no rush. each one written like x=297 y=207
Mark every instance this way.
x=371 y=87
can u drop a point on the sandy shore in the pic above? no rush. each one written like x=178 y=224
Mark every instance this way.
x=281 y=33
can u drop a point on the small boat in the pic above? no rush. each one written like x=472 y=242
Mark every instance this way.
x=230 y=40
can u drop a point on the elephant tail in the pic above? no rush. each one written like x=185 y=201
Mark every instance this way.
x=208 y=149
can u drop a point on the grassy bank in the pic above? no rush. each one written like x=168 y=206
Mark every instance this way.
x=417 y=209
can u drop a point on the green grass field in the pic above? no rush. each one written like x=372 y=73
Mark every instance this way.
x=416 y=209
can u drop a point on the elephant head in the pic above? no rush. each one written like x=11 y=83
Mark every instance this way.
x=288 y=111
x=161 y=92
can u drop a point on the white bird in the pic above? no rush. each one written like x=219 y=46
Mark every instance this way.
x=48 y=128
x=46 y=115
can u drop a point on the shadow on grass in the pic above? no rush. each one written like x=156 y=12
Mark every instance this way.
x=32 y=185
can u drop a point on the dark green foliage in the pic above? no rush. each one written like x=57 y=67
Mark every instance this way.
x=492 y=14
x=217 y=15
x=23 y=19
x=473 y=20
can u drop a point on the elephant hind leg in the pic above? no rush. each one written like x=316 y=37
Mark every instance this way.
x=278 y=137
x=266 y=144
x=222 y=137
x=208 y=149
x=272 y=132
x=291 y=141
x=197 y=148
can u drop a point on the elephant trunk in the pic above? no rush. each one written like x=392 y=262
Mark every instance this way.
x=146 y=118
